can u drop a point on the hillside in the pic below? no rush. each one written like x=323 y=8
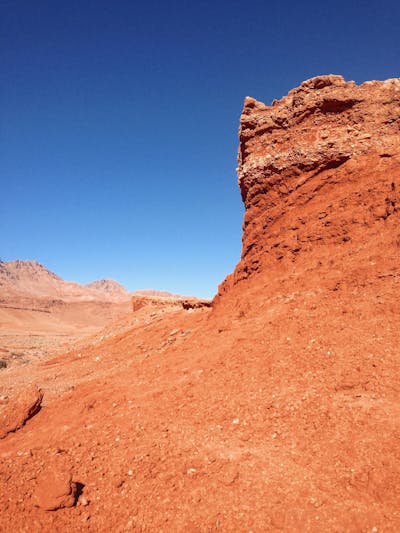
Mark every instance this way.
x=31 y=279
x=276 y=409
x=40 y=313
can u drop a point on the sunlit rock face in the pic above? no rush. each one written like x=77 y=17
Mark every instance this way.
x=319 y=169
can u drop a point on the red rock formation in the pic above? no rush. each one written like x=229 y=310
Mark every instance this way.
x=17 y=412
x=159 y=302
x=55 y=488
x=139 y=301
x=319 y=172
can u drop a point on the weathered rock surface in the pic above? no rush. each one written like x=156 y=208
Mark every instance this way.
x=320 y=167
x=196 y=303
x=139 y=301
x=55 y=489
x=18 y=411
x=159 y=302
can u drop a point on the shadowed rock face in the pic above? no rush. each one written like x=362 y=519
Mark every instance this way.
x=319 y=167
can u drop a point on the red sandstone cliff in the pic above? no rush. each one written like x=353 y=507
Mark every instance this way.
x=319 y=173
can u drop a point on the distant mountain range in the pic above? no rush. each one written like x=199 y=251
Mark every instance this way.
x=32 y=279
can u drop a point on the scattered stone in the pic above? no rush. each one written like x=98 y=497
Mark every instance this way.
x=17 y=413
x=3 y=364
x=83 y=501
x=56 y=490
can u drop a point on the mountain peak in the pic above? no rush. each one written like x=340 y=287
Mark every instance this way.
x=108 y=286
x=30 y=278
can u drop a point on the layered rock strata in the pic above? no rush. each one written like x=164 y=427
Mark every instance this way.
x=318 y=167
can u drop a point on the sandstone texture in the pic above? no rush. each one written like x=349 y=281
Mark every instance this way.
x=277 y=407
x=19 y=410
x=139 y=301
x=319 y=168
x=55 y=489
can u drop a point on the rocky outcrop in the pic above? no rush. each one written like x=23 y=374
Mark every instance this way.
x=16 y=413
x=162 y=302
x=195 y=303
x=318 y=167
x=139 y=301
x=55 y=488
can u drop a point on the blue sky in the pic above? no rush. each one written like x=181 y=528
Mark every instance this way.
x=118 y=124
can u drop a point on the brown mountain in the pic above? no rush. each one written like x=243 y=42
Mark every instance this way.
x=275 y=410
x=156 y=294
x=39 y=311
x=30 y=278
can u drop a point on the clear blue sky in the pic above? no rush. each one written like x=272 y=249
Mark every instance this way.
x=118 y=124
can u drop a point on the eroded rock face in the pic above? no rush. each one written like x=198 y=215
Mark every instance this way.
x=160 y=302
x=140 y=301
x=326 y=134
